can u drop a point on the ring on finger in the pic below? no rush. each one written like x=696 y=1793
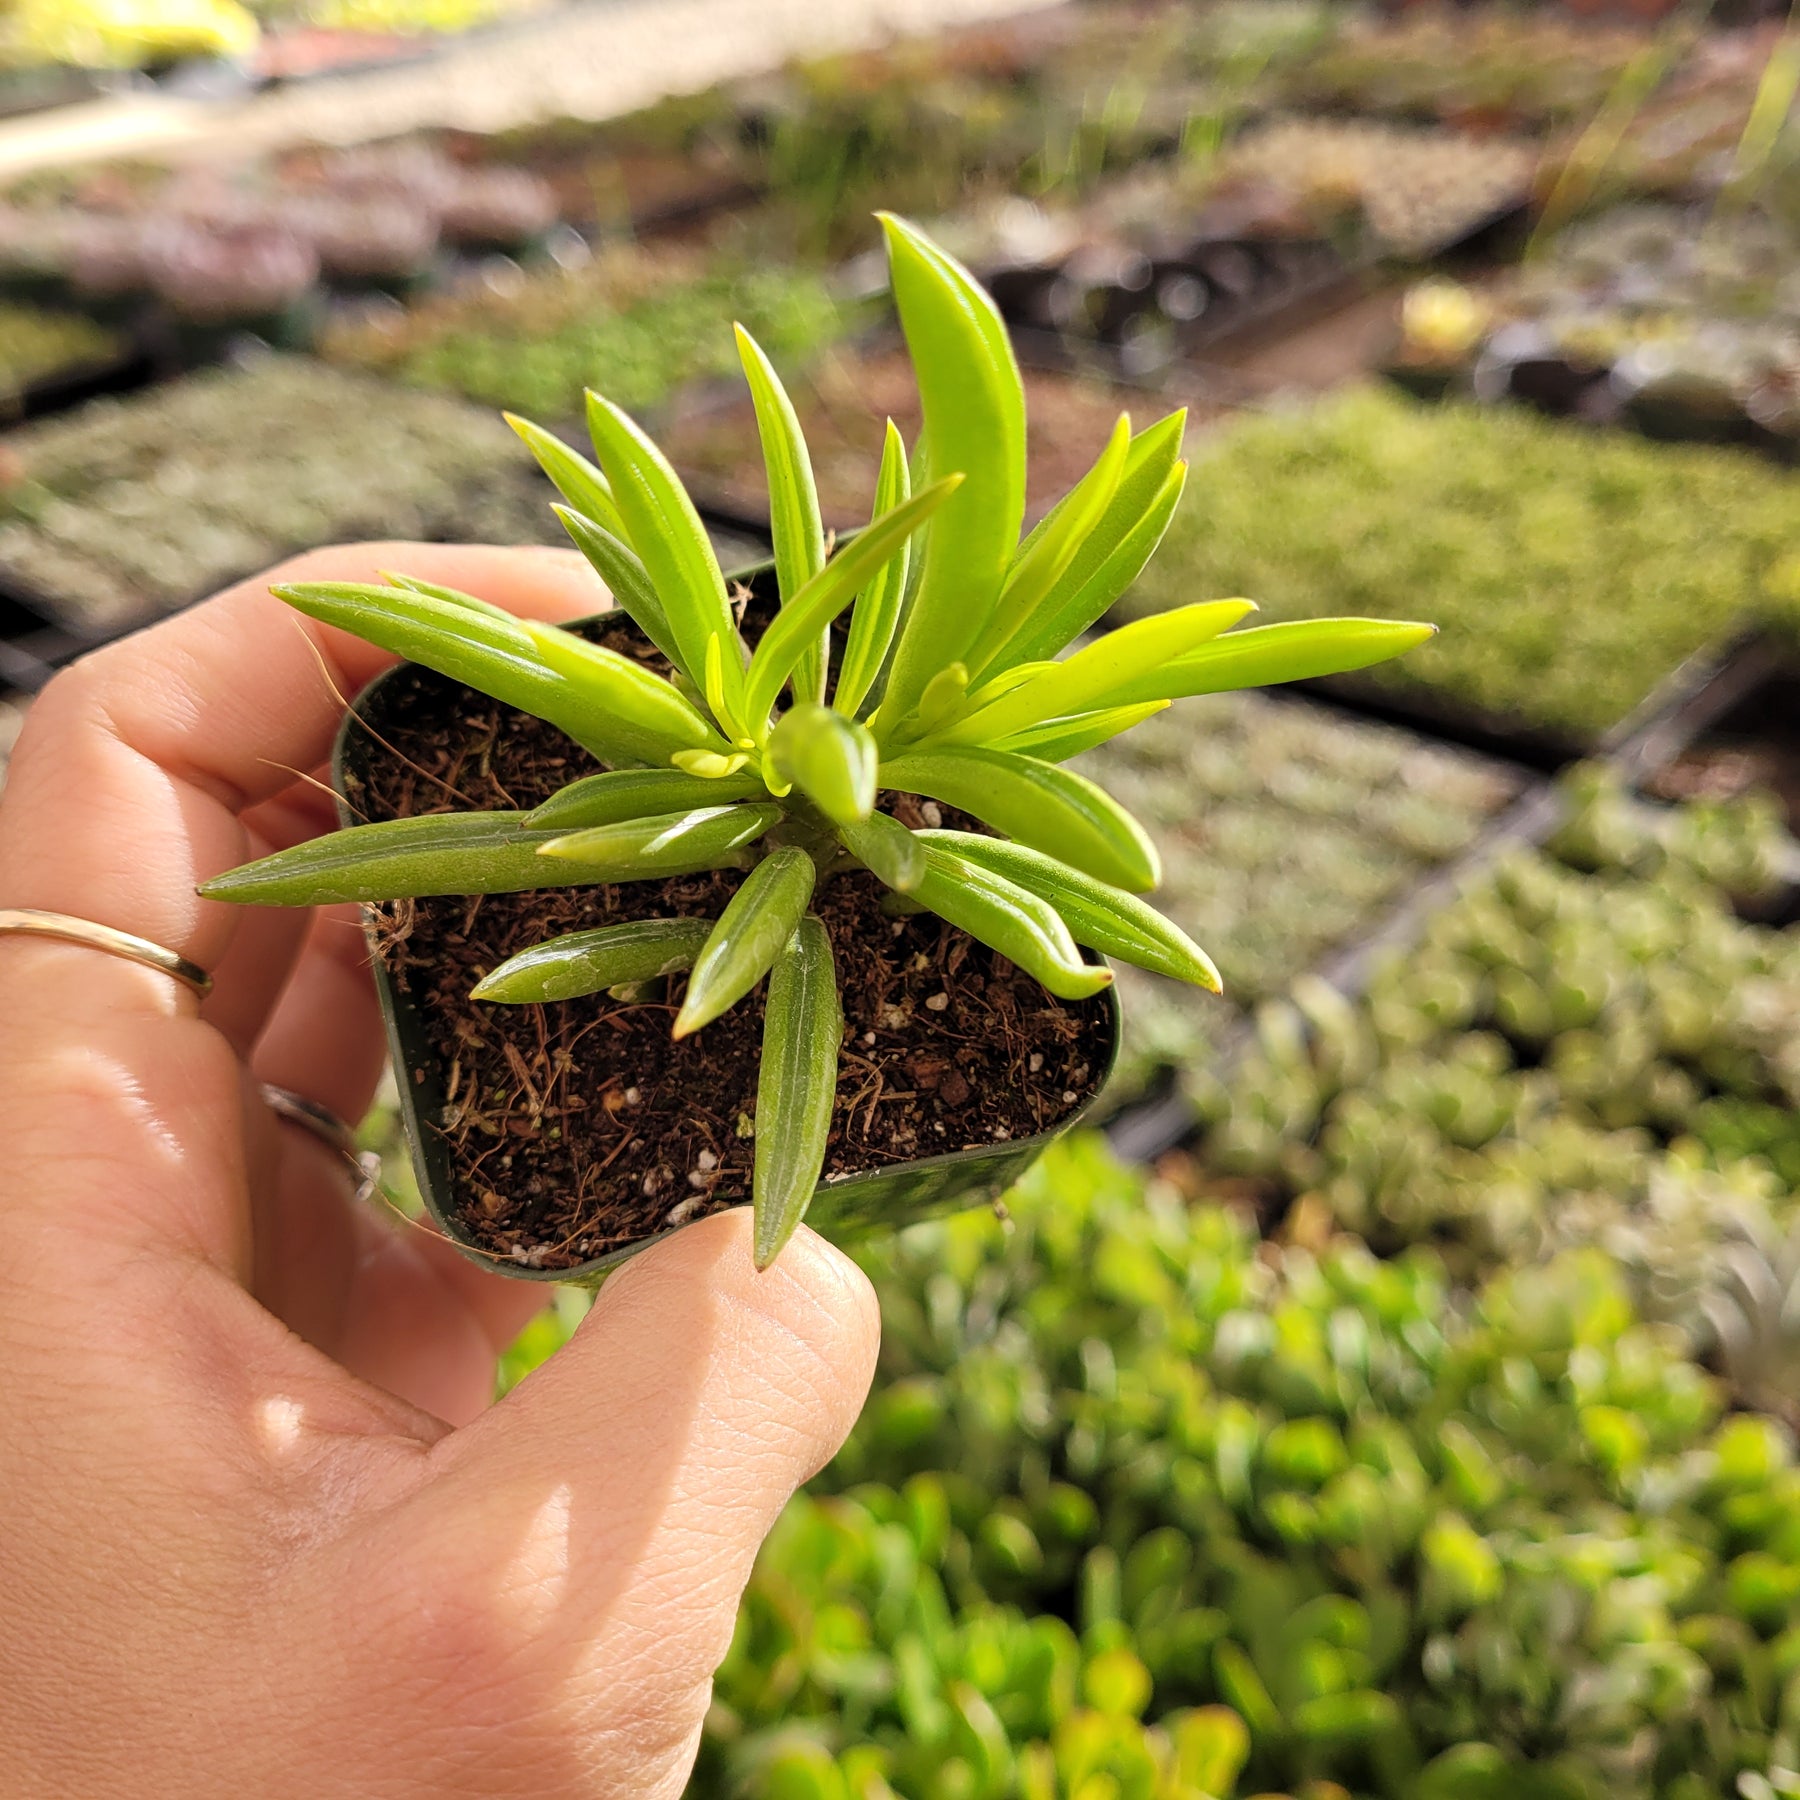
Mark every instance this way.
x=329 y=1129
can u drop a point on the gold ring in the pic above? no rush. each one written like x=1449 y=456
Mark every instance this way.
x=328 y=1128
x=31 y=923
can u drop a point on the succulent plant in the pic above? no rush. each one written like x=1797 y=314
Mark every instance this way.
x=947 y=690
x=224 y=277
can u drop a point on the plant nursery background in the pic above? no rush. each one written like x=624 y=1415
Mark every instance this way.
x=1399 y=1396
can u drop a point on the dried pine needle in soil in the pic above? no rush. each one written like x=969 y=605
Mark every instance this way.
x=578 y=1127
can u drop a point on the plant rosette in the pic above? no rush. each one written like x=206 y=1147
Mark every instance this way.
x=730 y=844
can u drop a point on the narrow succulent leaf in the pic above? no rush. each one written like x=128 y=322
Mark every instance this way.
x=623 y=697
x=403 y=859
x=450 y=596
x=662 y=526
x=667 y=844
x=573 y=476
x=1009 y=919
x=829 y=592
x=919 y=469
x=494 y=654
x=831 y=759
x=1045 y=556
x=1054 y=810
x=1103 y=917
x=876 y=614
x=1056 y=740
x=584 y=962
x=803 y=1030
x=1004 y=683
x=1114 y=553
x=1103 y=673
x=974 y=408
x=762 y=915
x=626 y=578
x=885 y=847
x=794 y=522
x=1294 y=651
x=623 y=794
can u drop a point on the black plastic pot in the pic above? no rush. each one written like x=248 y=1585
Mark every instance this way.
x=898 y=1194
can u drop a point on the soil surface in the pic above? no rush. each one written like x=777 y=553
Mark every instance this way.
x=576 y=1128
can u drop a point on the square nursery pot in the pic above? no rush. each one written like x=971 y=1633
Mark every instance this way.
x=379 y=753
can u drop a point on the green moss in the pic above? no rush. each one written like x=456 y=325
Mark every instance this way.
x=1570 y=570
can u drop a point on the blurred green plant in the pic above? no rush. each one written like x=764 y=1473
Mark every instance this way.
x=1135 y=1499
x=1598 y=1054
x=1570 y=570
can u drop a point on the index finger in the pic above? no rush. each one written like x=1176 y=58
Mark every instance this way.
x=125 y=786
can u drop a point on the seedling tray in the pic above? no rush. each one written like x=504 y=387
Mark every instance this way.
x=1704 y=691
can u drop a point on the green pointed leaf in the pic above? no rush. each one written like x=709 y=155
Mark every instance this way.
x=876 y=614
x=888 y=849
x=1054 y=810
x=762 y=915
x=585 y=962
x=829 y=592
x=1102 y=917
x=1056 y=740
x=450 y=596
x=1104 y=673
x=573 y=476
x=491 y=652
x=635 y=794
x=662 y=526
x=803 y=1030
x=831 y=759
x=669 y=844
x=794 y=523
x=1045 y=556
x=626 y=580
x=1295 y=651
x=640 y=708
x=1114 y=553
x=974 y=408
x=403 y=859
x=1010 y=920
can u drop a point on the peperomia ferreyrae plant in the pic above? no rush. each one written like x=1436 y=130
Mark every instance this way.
x=771 y=757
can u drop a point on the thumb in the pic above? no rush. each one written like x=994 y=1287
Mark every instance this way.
x=586 y=1541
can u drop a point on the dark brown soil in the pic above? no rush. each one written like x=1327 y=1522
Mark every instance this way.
x=576 y=1128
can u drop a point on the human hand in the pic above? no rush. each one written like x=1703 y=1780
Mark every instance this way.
x=260 y=1533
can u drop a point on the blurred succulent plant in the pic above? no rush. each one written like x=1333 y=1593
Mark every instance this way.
x=947 y=690
x=215 y=277
x=499 y=208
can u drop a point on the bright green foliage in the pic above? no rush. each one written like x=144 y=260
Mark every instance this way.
x=954 y=697
x=1569 y=570
x=1139 y=1496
